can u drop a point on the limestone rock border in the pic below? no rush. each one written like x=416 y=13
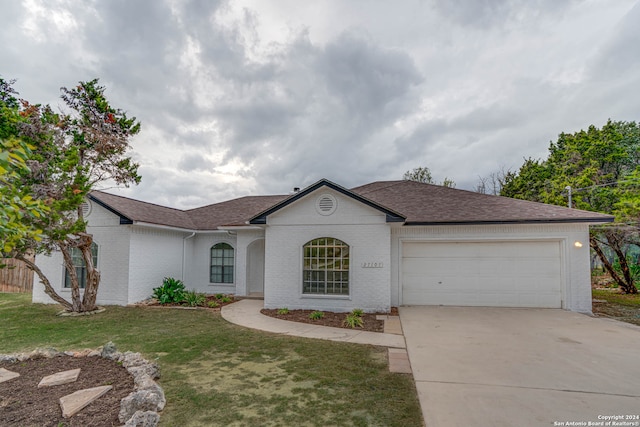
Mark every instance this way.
x=140 y=408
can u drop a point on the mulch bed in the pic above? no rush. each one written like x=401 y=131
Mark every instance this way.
x=152 y=302
x=620 y=312
x=332 y=319
x=22 y=403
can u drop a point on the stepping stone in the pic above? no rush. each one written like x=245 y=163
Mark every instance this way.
x=391 y=324
x=60 y=378
x=399 y=361
x=73 y=403
x=6 y=375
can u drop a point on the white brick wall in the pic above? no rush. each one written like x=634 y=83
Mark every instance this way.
x=363 y=228
x=113 y=261
x=198 y=260
x=155 y=254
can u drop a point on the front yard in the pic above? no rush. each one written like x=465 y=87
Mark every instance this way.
x=611 y=303
x=215 y=373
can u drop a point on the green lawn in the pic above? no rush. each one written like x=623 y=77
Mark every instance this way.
x=616 y=297
x=215 y=373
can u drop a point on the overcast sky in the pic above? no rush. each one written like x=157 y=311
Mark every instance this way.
x=247 y=97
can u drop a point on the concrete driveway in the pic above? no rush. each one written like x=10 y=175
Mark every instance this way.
x=522 y=367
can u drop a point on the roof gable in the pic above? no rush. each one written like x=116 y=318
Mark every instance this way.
x=391 y=216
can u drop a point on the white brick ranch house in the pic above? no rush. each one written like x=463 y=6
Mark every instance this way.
x=326 y=247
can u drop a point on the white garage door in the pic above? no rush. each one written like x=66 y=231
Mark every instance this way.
x=499 y=274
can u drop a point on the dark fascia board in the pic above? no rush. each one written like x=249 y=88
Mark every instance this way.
x=524 y=221
x=123 y=218
x=391 y=216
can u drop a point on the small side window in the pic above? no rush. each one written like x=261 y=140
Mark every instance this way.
x=81 y=268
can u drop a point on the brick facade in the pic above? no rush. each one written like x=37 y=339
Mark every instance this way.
x=365 y=231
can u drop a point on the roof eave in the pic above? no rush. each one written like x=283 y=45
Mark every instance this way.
x=515 y=221
x=238 y=227
x=124 y=220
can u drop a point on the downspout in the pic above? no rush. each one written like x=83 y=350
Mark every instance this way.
x=184 y=252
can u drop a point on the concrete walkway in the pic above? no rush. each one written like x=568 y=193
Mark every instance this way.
x=247 y=313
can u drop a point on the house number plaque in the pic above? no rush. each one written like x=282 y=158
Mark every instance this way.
x=372 y=265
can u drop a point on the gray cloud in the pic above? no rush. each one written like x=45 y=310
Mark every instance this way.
x=194 y=162
x=619 y=56
x=367 y=79
x=240 y=97
x=484 y=14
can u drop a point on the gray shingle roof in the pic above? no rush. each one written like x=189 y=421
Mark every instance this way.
x=131 y=210
x=232 y=212
x=229 y=213
x=420 y=203
x=433 y=204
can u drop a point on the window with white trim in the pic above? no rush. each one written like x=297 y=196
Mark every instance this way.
x=222 y=262
x=326 y=267
x=80 y=266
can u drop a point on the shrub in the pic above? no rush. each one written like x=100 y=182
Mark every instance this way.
x=194 y=299
x=358 y=312
x=315 y=315
x=225 y=299
x=172 y=290
x=213 y=304
x=353 y=321
x=283 y=311
x=219 y=296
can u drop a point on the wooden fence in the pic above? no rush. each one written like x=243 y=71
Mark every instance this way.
x=15 y=277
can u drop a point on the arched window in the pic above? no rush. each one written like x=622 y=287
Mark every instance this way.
x=81 y=268
x=221 y=263
x=326 y=267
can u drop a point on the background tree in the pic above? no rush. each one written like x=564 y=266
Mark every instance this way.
x=73 y=153
x=493 y=183
x=15 y=203
x=419 y=174
x=423 y=174
x=602 y=168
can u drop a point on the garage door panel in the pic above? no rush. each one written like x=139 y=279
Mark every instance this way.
x=526 y=249
x=545 y=268
x=507 y=274
x=486 y=266
x=440 y=284
x=418 y=265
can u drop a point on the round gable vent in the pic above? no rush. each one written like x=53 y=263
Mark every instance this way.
x=86 y=209
x=326 y=204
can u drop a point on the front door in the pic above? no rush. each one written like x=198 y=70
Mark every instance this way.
x=255 y=267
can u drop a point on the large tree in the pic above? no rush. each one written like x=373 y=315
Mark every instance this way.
x=15 y=203
x=73 y=153
x=598 y=170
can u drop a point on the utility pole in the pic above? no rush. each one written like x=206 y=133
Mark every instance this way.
x=568 y=188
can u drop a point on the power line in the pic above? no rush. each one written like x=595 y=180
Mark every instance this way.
x=635 y=181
